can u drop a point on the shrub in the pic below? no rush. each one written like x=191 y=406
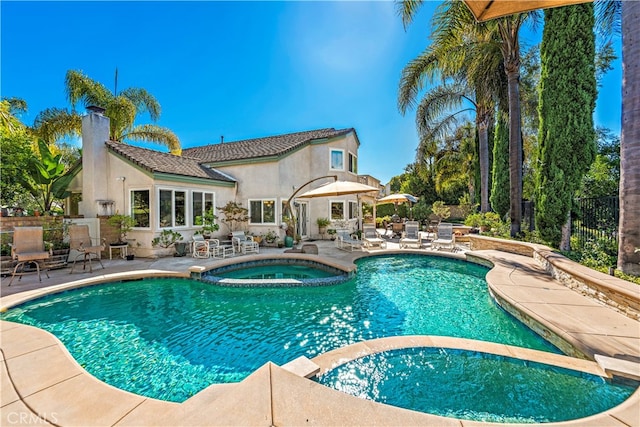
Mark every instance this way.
x=166 y=238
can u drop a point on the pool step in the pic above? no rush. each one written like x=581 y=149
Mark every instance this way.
x=619 y=367
x=302 y=367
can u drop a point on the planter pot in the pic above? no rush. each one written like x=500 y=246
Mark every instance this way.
x=131 y=257
x=288 y=241
x=181 y=249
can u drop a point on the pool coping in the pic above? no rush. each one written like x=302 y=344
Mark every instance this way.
x=39 y=376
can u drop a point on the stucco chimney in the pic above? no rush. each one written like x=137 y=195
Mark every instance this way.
x=95 y=132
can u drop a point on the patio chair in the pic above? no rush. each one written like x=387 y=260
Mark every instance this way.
x=243 y=243
x=28 y=248
x=88 y=248
x=445 y=237
x=411 y=235
x=371 y=238
x=203 y=248
x=396 y=229
x=345 y=240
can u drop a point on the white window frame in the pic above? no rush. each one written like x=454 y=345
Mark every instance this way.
x=336 y=150
x=275 y=210
x=353 y=209
x=352 y=166
x=331 y=202
x=150 y=207
x=172 y=223
x=192 y=213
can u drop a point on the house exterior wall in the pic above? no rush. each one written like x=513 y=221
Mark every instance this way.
x=108 y=181
x=279 y=178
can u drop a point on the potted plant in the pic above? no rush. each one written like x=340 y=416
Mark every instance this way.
x=168 y=238
x=323 y=223
x=270 y=237
x=124 y=224
x=208 y=223
x=332 y=233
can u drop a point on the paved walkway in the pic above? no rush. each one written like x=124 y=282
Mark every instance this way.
x=43 y=385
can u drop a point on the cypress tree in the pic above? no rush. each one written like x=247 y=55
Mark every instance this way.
x=500 y=184
x=566 y=135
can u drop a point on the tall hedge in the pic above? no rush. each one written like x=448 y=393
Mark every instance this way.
x=500 y=183
x=567 y=100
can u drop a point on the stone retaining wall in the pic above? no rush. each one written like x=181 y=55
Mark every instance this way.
x=618 y=294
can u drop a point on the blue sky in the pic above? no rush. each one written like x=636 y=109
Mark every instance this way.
x=238 y=69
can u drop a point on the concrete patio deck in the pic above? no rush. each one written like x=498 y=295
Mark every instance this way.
x=43 y=385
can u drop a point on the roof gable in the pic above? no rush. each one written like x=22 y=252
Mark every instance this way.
x=157 y=162
x=261 y=147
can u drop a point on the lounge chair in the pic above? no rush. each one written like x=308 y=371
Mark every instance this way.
x=345 y=240
x=371 y=238
x=88 y=247
x=445 y=237
x=411 y=235
x=243 y=243
x=28 y=248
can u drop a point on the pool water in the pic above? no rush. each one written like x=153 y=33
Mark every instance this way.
x=170 y=338
x=277 y=271
x=475 y=386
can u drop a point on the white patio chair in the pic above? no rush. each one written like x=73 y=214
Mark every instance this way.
x=203 y=248
x=243 y=243
x=371 y=238
x=411 y=235
x=346 y=241
x=445 y=237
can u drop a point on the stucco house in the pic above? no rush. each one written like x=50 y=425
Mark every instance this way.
x=163 y=191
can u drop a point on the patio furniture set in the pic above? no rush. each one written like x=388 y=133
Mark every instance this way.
x=442 y=237
x=240 y=243
x=28 y=250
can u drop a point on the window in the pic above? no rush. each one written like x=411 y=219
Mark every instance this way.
x=353 y=210
x=353 y=163
x=337 y=210
x=201 y=203
x=262 y=211
x=173 y=205
x=337 y=160
x=140 y=208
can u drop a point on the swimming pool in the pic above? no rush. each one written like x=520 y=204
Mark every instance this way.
x=170 y=338
x=277 y=272
x=475 y=386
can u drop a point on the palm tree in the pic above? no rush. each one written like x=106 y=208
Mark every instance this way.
x=462 y=51
x=454 y=161
x=122 y=109
x=629 y=229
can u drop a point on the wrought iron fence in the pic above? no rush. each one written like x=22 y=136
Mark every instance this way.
x=596 y=219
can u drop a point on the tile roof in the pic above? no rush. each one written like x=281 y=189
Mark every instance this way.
x=155 y=161
x=260 y=147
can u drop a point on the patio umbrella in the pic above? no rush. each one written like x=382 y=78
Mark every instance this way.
x=337 y=188
x=484 y=10
x=398 y=198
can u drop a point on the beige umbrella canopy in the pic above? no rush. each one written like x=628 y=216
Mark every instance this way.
x=484 y=10
x=338 y=188
x=397 y=198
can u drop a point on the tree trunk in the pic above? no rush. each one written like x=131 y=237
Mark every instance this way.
x=483 y=154
x=565 y=240
x=509 y=28
x=629 y=226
